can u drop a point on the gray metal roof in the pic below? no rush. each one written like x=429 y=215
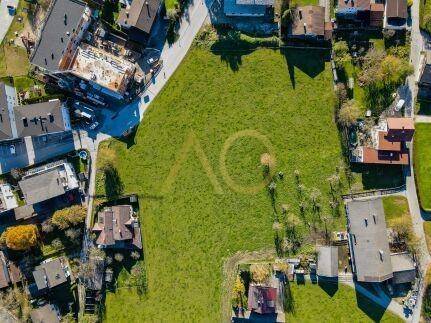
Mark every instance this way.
x=42 y=187
x=5 y=125
x=45 y=314
x=256 y=2
x=403 y=267
x=49 y=274
x=368 y=240
x=39 y=118
x=327 y=261
x=63 y=18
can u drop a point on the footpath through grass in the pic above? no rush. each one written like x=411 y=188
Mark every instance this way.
x=191 y=226
x=334 y=303
x=422 y=163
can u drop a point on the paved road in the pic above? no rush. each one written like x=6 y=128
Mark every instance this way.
x=417 y=46
x=172 y=55
x=5 y=18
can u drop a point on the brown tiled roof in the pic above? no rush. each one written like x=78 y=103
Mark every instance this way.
x=374 y=156
x=386 y=143
x=360 y=4
x=376 y=14
x=314 y=19
x=400 y=123
x=115 y=224
x=396 y=9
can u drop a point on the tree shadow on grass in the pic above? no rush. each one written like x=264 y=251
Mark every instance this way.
x=114 y=187
x=309 y=61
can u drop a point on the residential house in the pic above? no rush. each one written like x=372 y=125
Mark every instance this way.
x=48 y=313
x=7 y=198
x=359 y=14
x=308 y=23
x=395 y=14
x=62 y=56
x=118 y=227
x=327 y=261
x=50 y=274
x=388 y=143
x=48 y=181
x=262 y=299
x=249 y=8
x=9 y=272
x=404 y=268
x=31 y=120
x=137 y=20
x=369 y=246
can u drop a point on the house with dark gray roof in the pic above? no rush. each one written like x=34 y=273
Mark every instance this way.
x=369 y=245
x=117 y=227
x=48 y=181
x=63 y=29
x=31 y=120
x=404 y=268
x=248 y=8
x=41 y=119
x=50 y=274
x=137 y=20
x=48 y=313
x=368 y=241
x=327 y=261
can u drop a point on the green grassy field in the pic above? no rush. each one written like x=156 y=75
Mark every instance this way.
x=396 y=208
x=424 y=15
x=334 y=303
x=194 y=218
x=422 y=163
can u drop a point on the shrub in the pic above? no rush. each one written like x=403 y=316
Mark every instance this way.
x=260 y=272
x=135 y=255
x=70 y=216
x=47 y=226
x=57 y=244
x=349 y=113
x=119 y=257
x=21 y=237
x=73 y=234
x=341 y=54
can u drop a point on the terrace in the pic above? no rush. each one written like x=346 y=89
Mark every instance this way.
x=102 y=68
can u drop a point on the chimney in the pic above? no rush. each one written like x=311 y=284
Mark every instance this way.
x=381 y=253
x=300 y=14
x=25 y=122
x=374 y=218
x=148 y=8
x=366 y=222
x=305 y=27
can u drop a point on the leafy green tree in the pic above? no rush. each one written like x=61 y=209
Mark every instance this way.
x=341 y=54
x=349 y=113
x=68 y=217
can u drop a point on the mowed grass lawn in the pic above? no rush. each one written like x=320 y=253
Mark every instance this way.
x=422 y=163
x=190 y=229
x=334 y=303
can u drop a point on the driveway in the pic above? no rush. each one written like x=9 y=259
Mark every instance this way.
x=5 y=18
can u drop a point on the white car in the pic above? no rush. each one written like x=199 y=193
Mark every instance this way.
x=12 y=149
x=94 y=125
